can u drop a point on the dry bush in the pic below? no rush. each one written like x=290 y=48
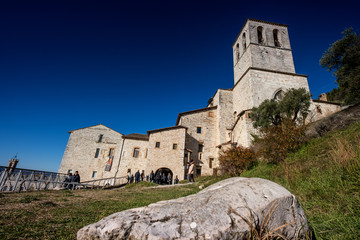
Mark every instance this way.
x=277 y=141
x=235 y=160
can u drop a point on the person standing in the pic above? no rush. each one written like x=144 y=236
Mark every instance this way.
x=191 y=171
x=137 y=176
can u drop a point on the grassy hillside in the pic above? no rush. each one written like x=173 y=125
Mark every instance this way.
x=325 y=176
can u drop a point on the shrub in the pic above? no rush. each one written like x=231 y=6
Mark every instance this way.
x=277 y=141
x=235 y=160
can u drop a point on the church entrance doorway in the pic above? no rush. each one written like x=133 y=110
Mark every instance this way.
x=163 y=176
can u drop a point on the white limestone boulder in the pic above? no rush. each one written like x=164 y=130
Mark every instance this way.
x=225 y=210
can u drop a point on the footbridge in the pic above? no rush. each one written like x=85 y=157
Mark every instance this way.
x=17 y=180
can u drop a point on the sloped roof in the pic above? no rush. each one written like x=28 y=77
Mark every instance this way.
x=193 y=111
x=137 y=136
x=94 y=126
x=165 y=129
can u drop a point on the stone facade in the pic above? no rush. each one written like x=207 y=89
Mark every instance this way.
x=263 y=69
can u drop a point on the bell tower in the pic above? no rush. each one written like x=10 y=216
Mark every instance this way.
x=262 y=45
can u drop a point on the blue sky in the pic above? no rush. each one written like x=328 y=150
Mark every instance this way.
x=134 y=65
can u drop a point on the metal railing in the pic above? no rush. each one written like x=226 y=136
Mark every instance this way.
x=27 y=180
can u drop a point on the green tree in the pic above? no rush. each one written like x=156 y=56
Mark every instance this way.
x=343 y=57
x=294 y=106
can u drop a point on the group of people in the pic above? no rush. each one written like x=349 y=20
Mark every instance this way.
x=70 y=179
x=159 y=178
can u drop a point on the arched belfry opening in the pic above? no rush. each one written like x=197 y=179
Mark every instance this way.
x=276 y=38
x=162 y=176
x=260 y=35
x=244 y=42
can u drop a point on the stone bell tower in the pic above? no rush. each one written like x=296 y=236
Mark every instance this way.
x=263 y=45
x=263 y=69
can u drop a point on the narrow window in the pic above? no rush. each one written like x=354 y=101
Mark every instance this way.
x=260 y=35
x=100 y=137
x=146 y=153
x=174 y=146
x=237 y=52
x=157 y=144
x=111 y=152
x=198 y=129
x=201 y=148
x=97 y=152
x=244 y=41
x=210 y=162
x=276 y=38
x=94 y=174
x=136 y=152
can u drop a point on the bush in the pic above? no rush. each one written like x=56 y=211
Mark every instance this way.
x=277 y=141
x=235 y=160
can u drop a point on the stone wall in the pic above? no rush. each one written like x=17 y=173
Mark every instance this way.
x=81 y=149
x=207 y=120
x=259 y=85
x=167 y=155
x=320 y=109
x=129 y=161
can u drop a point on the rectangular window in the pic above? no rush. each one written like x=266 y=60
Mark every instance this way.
x=201 y=148
x=174 y=146
x=100 y=137
x=198 y=129
x=210 y=162
x=146 y=153
x=94 y=174
x=111 y=152
x=97 y=152
x=157 y=144
x=136 y=152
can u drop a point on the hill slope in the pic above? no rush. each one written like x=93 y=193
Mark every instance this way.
x=324 y=174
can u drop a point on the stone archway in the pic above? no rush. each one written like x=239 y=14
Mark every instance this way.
x=161 y=176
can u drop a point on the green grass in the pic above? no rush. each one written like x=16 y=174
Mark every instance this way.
x=322 y=174
x=327 y=186
x=60 y=214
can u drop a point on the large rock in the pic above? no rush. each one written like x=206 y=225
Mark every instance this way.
x=225 y=210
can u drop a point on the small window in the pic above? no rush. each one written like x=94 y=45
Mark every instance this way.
x=97 y=152
x=318 y=109
x=94 y=174
x=210 y=114
x=146 y=153
x=157 y=144
x=210 y=162
x=201 y=148
x=237 y=53
x=111 y=152
x=100 y=138
x=174 y=146
x=198 y=129
x=136 y=152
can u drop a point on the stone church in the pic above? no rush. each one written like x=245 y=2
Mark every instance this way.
x=263 y=69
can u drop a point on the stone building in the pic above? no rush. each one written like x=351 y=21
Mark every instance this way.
x=263 y=69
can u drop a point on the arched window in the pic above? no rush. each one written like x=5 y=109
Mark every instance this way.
x=279 y=95
x=276 y=38
x=237 y=52
x=260 y=35
x=244 y=42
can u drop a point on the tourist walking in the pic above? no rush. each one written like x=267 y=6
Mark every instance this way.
x=191 y=171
